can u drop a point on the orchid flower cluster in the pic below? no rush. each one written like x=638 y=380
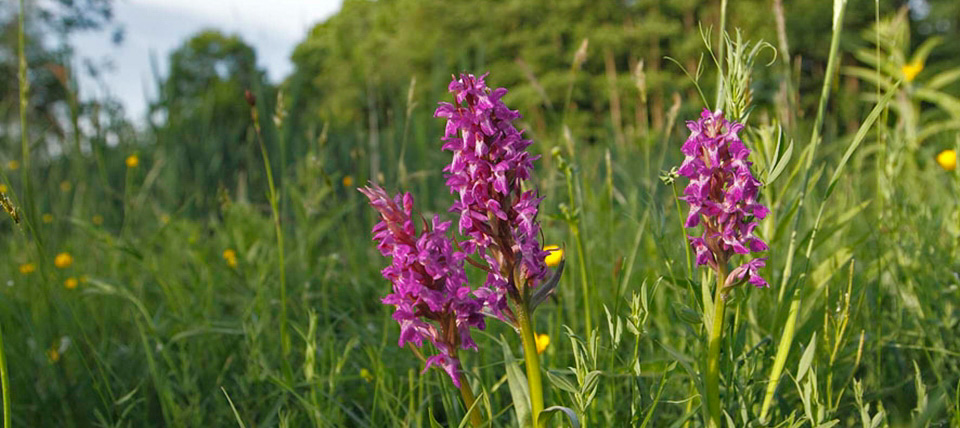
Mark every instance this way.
x=490 y=164
x=722 y=195
x=430 y=292
x=498 y=222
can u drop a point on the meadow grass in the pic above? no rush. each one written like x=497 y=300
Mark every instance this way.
x=265 y=311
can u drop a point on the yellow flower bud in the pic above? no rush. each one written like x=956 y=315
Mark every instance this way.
x=555 y=255
x=27 y=268
x=63 y=260
x=347 y=181
x=911 y=70
x=71 y=283
x=543 y=341
x=231 y=257
x=947 y=159
x=366 y=375
x=133 y=161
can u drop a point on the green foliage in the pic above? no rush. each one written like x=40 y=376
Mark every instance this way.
x=165 y=329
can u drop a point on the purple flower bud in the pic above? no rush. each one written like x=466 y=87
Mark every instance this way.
x=722 y=195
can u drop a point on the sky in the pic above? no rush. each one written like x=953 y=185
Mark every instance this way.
x=154 y=28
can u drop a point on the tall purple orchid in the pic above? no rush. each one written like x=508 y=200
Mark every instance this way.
x=430 y=293
x=489 y=167
x=722 y=195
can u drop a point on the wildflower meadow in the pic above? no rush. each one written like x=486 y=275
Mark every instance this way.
x=506 y=213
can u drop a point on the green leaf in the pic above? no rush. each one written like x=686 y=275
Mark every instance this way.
x=561 y=382
x=517 y=381
x=807 y=359
x=547 y=413
x=433 y=421
x=781 y=164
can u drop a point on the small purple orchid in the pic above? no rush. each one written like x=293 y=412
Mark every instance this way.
x=722 y=195
x=430 y=293
x=489 y=166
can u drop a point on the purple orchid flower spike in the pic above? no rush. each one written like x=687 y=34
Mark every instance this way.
x=489 y=167
x=722 y=195
x=432 y=300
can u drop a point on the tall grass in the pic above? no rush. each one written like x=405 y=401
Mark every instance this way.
x=858 y=328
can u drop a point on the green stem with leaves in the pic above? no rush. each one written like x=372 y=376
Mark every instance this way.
x=284 y=338
x=712 y=375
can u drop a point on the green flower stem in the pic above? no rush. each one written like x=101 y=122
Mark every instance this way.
x=468 y=399
x=532 y=360
x=713 y=352
x=5 y=385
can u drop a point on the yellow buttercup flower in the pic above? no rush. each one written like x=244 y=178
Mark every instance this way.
x=27 y=268
x=366 y=375
x=3 y=188
x=911 y=70
x=555 y=255
x=948 y=159
x=47 y=218
x=97 y=219
x=71 y=283
x=63 y=260
x=53 y=354
x=13 y=165
x=543 y=341
x=133 y=161
x=65 y=186
x=231 y=257
x=347 y=181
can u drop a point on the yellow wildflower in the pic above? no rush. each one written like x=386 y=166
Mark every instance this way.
x=133 y=161
x=97 y=219
x=3 y=188
x=348 y=181
x=63 y=260
x=53 y=354
x=366 y=375
x=27 y=268
x=13 y=165
x=65 y=186
x=555 y=255
x=543 y=341
x=231 y=257
x=71 y=283
x=911 y=70
x=948 y=159
x=47 y=218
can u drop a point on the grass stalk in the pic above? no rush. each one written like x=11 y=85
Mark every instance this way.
x=5 y=385
x=284 y=337
x=786 y=337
